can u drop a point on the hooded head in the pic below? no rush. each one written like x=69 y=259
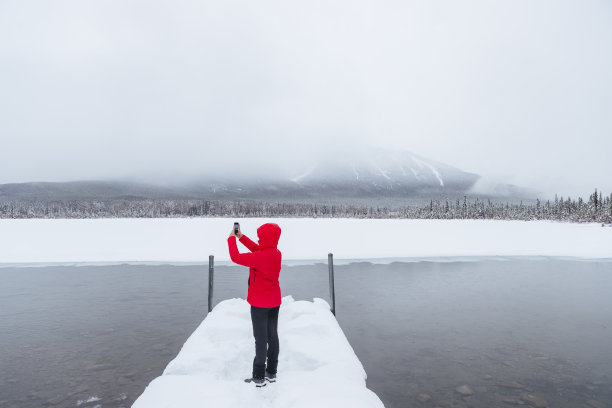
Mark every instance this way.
x=268 y=235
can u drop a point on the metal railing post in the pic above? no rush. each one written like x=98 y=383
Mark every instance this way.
x=211 y=276
x=332 y=292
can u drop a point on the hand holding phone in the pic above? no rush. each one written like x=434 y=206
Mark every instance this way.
x=236 y=231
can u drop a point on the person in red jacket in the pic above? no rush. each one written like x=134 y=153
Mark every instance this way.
x=264 y=296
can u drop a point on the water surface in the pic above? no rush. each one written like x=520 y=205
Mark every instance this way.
x=514 y=332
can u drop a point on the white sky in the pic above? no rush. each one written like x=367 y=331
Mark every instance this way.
x=515 y=90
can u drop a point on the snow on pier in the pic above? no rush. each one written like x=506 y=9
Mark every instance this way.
x=317 y=365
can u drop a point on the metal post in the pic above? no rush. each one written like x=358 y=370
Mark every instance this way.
x=211 y=275
x=332 y=292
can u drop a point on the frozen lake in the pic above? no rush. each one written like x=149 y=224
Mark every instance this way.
x=530 y=331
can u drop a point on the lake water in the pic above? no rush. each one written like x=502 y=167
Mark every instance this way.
x=514 y=332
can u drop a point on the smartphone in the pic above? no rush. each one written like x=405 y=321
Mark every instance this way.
x=236 y=226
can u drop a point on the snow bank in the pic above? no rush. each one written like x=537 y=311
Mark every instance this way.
x=317 y=366
x=191 y=240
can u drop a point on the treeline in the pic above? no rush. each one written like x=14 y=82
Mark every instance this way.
x=597 y=208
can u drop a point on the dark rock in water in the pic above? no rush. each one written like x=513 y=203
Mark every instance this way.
x=57 y=400
x=35 y=394
x=464 y=390
x=120 y=398
x=424 y=397
x=99 y=367
x=509 y=384
x=513 y=401
x=81 y=388
x=123 y=381
x=595 y=404
x=535 y=401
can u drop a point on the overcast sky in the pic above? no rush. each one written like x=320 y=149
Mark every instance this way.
x=519 y=91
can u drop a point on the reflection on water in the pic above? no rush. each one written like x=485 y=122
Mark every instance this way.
x=461 y=334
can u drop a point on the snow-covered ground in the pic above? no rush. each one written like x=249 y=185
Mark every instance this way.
x=191 y=240
x=317 y=365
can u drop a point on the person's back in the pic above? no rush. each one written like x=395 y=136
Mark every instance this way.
x=264 y=296
x=264 y=271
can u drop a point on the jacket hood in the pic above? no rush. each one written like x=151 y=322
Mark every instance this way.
x=268 y=235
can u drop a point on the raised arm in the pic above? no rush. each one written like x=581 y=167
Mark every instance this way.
x=249 y=244
x=250 y=260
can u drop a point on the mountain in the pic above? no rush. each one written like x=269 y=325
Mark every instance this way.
x=351 y=176
x=380 y=170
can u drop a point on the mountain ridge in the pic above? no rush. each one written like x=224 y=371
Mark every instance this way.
x=349 y=175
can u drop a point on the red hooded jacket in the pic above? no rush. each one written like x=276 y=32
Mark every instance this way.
x=264 y=264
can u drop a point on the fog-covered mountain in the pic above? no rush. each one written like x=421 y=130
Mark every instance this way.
x=371 y=174
x=379 y=169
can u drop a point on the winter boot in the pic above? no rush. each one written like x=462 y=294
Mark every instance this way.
x=270 y=377
x=259 y=382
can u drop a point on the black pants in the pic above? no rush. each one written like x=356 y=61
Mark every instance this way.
x=265 y=323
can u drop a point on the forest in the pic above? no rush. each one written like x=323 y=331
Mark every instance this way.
x=597 y=208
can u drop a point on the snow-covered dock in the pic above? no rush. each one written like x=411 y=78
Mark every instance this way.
x=317 y=365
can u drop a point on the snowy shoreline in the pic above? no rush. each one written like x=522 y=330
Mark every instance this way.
x=189 y=241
